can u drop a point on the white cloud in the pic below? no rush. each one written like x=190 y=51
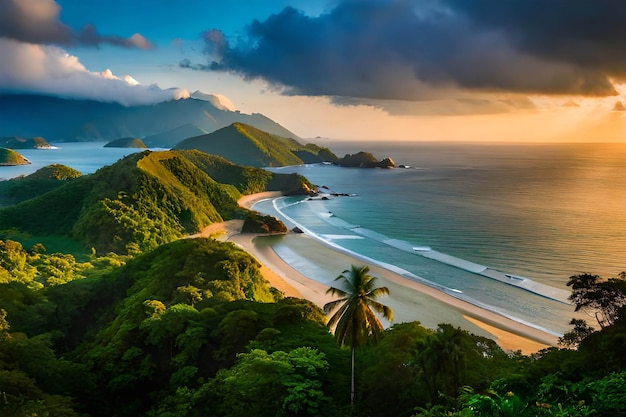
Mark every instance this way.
x=45 y=69
x=225 y=102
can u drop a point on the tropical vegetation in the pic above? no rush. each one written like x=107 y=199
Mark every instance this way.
x=144 y=200
x=189 y=327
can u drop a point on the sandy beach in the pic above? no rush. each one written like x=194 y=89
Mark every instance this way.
x=410 y=300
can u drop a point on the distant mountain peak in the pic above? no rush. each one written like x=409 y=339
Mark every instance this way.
x=220 y=101
x=66 y=120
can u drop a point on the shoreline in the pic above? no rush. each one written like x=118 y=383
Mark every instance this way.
x=410 y=300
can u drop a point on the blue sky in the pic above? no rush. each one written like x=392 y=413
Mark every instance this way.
x=523 y=70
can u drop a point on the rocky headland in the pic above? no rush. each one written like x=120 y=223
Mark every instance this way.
x=364 y=160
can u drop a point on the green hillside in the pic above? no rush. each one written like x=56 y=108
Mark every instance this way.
x=142 y=201
x=39 y=182
x=9 y=157
x=247 y=179
x=246 y=145
x=57 y=172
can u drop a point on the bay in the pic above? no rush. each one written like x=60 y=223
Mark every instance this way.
x=539 y=212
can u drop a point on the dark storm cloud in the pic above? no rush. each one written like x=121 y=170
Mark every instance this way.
x=33 y=21
x=587 y=33
x=37 y=22
x=409 y=49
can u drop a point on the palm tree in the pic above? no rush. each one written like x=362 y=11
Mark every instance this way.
x=354 y=321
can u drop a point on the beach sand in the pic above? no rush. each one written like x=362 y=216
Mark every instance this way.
x=410 y=300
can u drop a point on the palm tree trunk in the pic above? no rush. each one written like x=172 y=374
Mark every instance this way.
x=352 y=387
x=353 y=343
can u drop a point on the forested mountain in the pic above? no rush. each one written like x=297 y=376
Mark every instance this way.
x=19 y=189
x=246 y=145
x=144 y=200
x=60 y=119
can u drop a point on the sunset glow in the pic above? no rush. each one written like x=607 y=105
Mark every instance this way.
x=380 y=70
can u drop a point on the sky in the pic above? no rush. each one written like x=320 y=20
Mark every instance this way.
x=423 y=70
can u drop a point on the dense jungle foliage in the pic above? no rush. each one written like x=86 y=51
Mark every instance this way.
x=189 y=327
x=192 y=329
x=142 y=201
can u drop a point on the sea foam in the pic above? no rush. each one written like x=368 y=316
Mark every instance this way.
x=329 y=241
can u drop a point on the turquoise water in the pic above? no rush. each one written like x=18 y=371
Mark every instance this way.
x=537 y=213
x=541 y=212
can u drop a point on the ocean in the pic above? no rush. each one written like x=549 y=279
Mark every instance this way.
x=86 y=157
x=502 y=226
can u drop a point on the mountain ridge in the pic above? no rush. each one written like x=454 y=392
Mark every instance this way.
x=144 y=200
x=244 y=144
x=69 y=120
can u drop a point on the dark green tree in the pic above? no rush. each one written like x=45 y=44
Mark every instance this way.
x=603 y=298
x=573 y=338
x=276 y=384
x=354 y=321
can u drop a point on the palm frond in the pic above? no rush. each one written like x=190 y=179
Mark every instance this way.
x=355 y=320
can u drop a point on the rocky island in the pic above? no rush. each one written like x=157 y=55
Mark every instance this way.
x=364 y=160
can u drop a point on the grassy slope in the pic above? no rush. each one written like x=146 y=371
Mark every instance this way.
x=10 y=157
x=247 y=145
x=247 y=179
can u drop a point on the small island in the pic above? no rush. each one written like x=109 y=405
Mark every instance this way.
x=17 y=142
x=364 y=160
x=126 y=143
x=8 y=157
